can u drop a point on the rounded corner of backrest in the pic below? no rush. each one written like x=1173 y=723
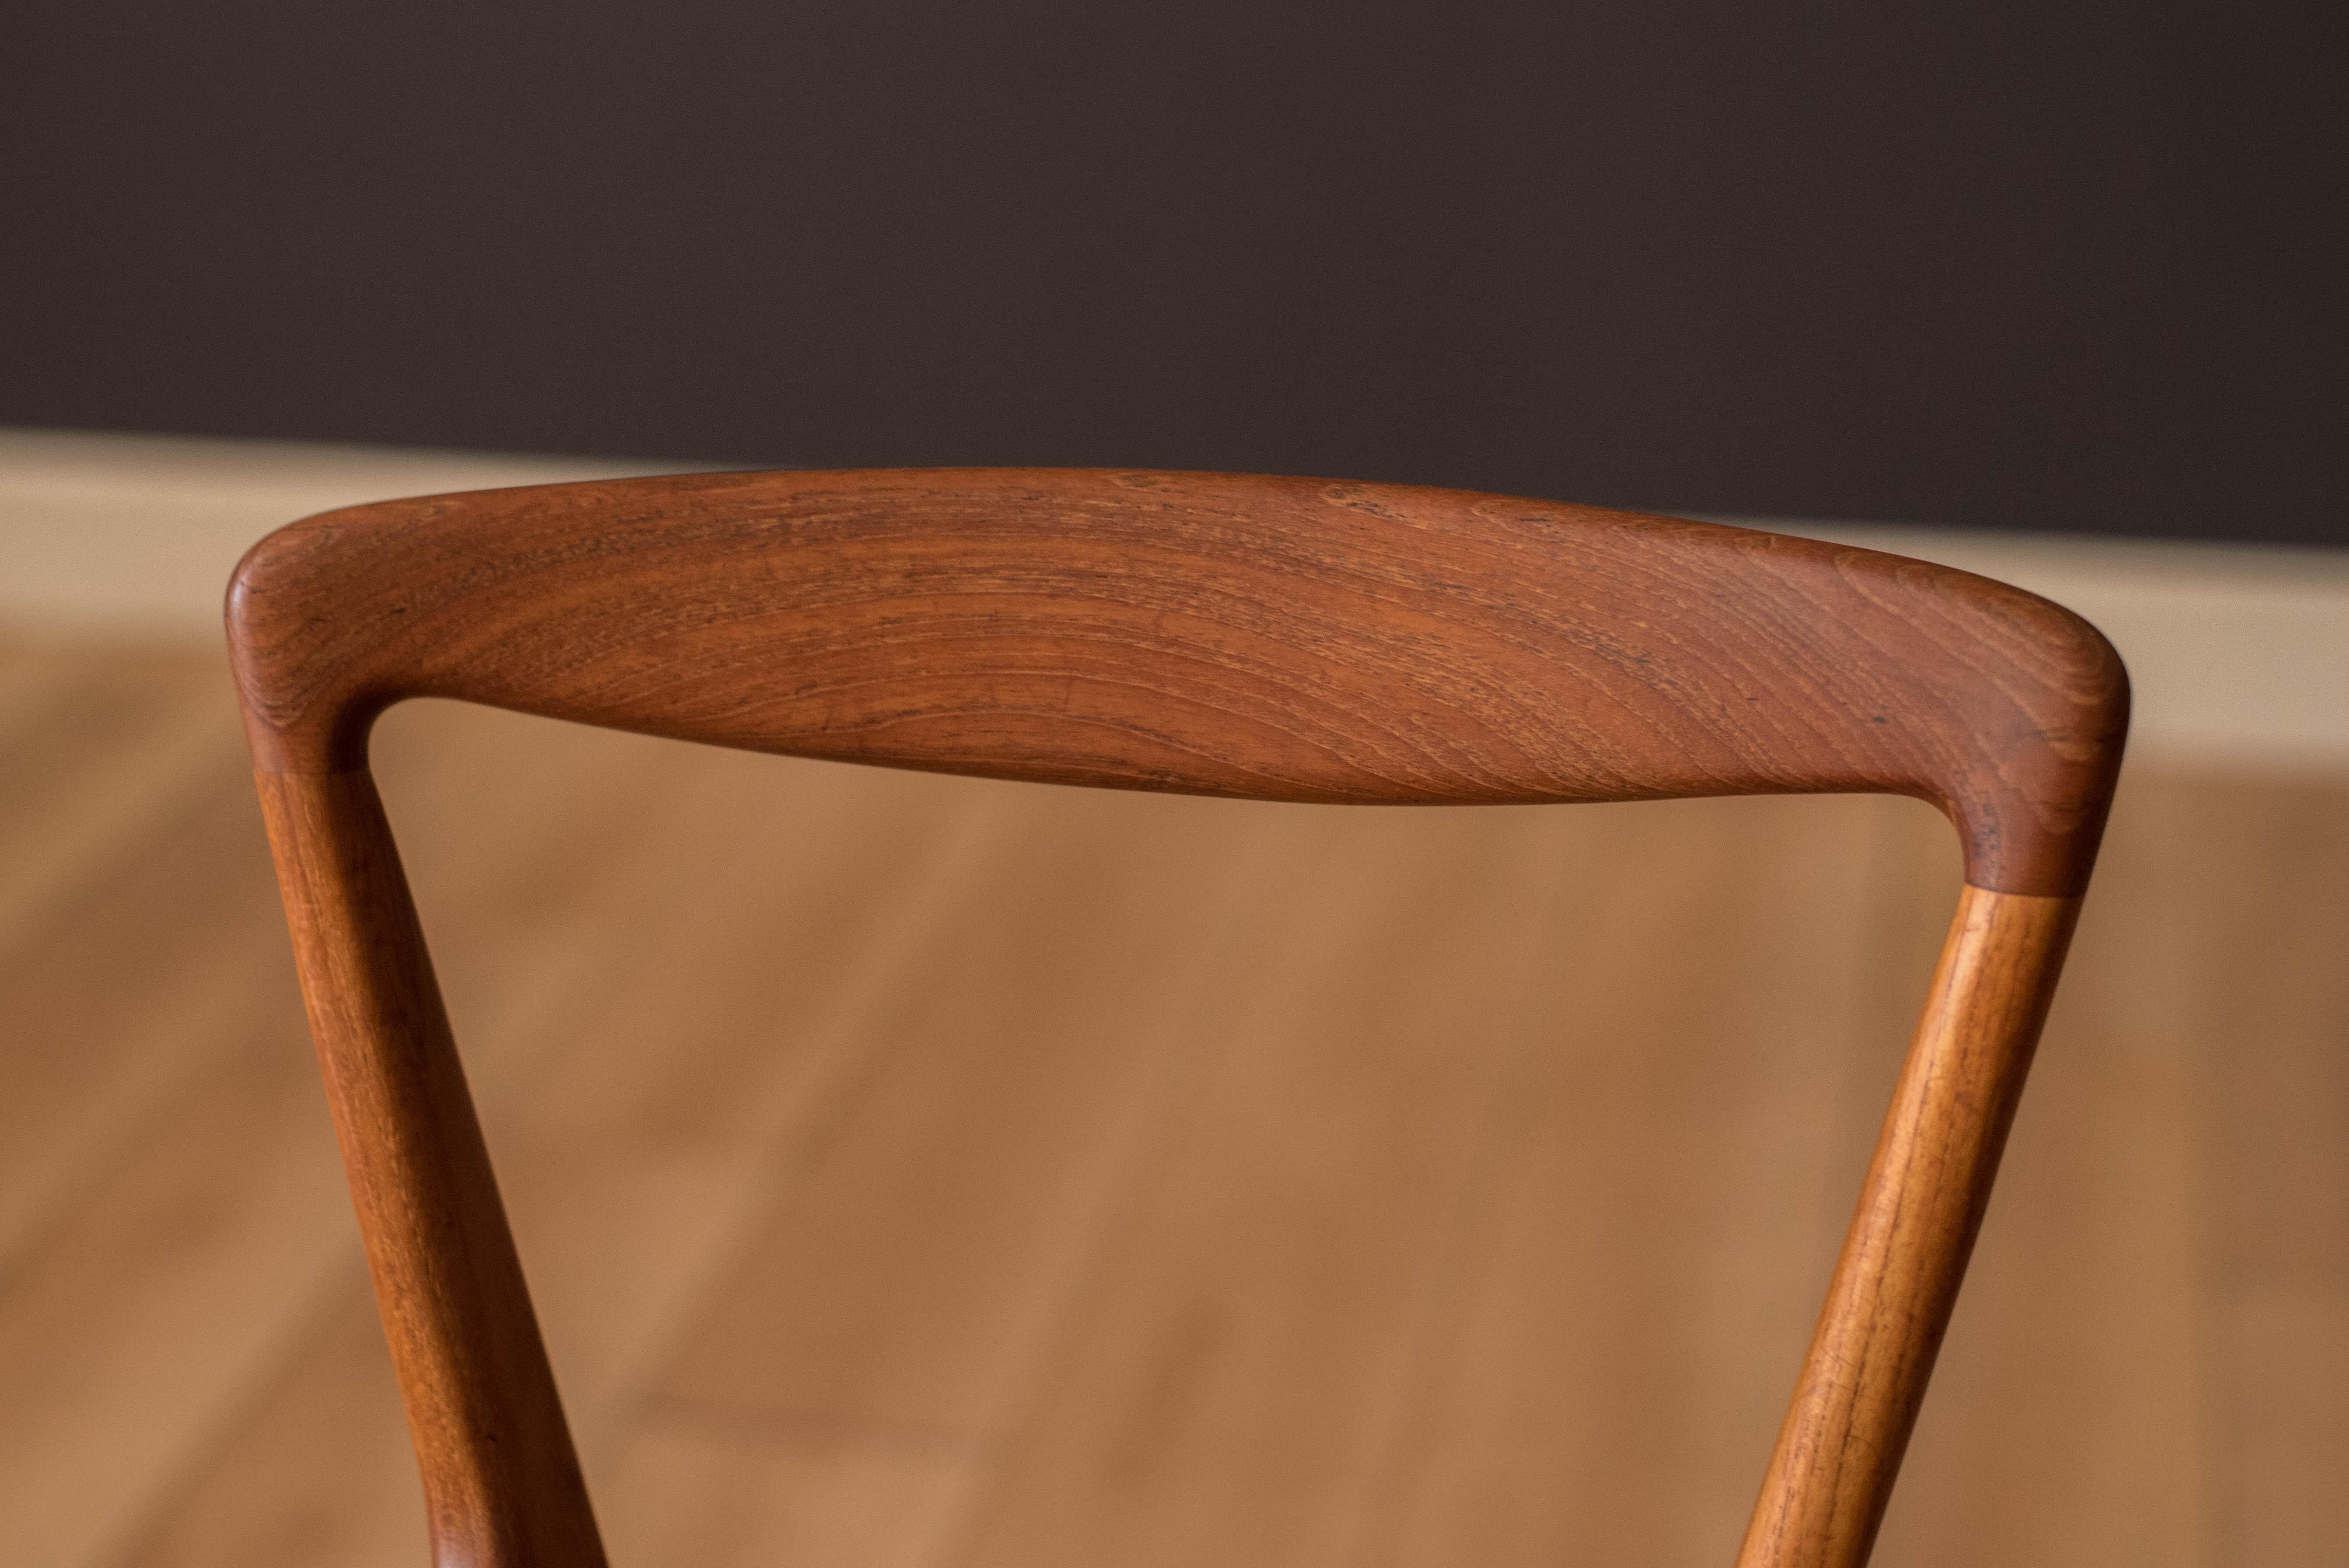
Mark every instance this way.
x=302 y=713
x=2054 y=701
x=269 y=565
x=2003 y=708
x=2098 y=672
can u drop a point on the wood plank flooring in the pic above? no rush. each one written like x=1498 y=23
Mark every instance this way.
x=933 y=1173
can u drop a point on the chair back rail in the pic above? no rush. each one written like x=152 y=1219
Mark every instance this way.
x=1274 y=638
x=1269 y=638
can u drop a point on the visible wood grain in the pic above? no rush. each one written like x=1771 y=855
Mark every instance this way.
x=1291 y=640
x=1285 y=639
x=2010 y=1452
x=502 y=1483
x=2044 y=1442
x=1855 y=1402
x=2054 y=1432
x=641 y=1089
x=2146 y=1366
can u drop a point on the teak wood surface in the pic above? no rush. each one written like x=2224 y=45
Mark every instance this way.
x=1254 y=637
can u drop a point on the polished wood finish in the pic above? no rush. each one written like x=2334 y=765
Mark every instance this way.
x=1830 y=1476
x=503 y=1484
x=1266 y=638
x=1273 y=639
x=746 y=1032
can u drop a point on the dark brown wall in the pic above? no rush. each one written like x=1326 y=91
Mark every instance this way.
x=2038 y=266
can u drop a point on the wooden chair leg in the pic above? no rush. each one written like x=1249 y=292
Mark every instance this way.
x=1856 y=1398
x=501 y=1482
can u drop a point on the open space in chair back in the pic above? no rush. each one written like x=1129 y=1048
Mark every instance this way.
x=1267 y=639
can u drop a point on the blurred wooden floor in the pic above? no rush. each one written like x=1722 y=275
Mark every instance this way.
x=917 y=1172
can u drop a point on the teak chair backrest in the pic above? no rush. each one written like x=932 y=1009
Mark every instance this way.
x=1267 y=639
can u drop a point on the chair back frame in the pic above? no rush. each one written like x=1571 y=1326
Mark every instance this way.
x=1249 y=637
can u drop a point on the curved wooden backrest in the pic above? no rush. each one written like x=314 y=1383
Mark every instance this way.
x=1285 y=639
x=1288 y=639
